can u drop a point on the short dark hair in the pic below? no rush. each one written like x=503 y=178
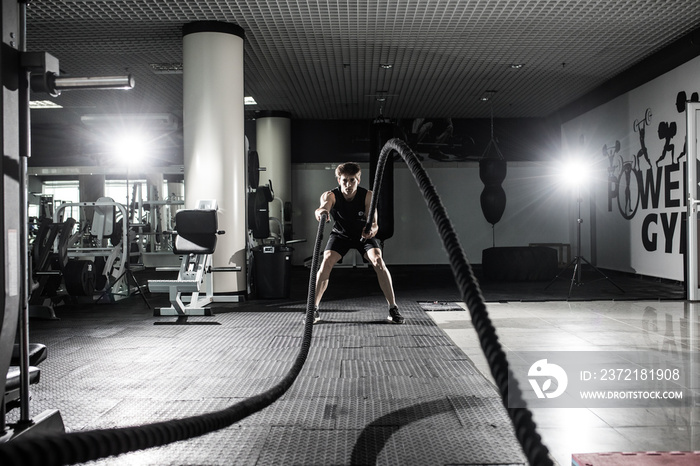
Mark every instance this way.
x=347 y=168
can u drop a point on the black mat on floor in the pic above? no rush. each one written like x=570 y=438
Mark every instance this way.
x=436 y=283
x=370 y=392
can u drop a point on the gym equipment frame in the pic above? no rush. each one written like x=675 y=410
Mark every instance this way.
x=119 y=251
x=22 y=71
x=194 y=238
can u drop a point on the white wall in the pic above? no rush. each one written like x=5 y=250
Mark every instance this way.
x=536 y=210
x=649 y=242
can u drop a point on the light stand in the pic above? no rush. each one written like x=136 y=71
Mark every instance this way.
x=576 y=261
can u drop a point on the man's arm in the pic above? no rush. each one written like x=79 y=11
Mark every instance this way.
x=327 y=203
x=375 y=227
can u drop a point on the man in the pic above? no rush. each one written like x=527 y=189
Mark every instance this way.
x=349 y=205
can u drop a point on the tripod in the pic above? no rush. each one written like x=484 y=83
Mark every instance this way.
x=126 y=274
x=576 y=261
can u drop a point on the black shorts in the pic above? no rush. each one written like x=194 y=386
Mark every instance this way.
x=342 y=245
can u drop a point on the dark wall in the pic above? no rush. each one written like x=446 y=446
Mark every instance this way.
x=441 y=140
x=319 y=141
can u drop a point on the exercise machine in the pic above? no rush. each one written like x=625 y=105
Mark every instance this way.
x=114 y=272
x=194 y=238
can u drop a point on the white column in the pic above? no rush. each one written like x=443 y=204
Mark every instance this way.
x=214 y=140
x=273 y=142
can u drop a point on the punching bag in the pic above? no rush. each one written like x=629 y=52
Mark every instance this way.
x=380 y=133
x=492 y=172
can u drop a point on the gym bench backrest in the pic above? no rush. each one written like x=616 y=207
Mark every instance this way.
x=196 y=231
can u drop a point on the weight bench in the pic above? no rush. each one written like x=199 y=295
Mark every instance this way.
x=195 y=239
x=37 y=353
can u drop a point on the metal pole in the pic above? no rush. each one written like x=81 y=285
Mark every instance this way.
x=693 y=325
x=578 y=254
x=24 y=154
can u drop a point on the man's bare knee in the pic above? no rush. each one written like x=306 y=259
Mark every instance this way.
x=378 y=264
x=375 y=258
x=327 y=264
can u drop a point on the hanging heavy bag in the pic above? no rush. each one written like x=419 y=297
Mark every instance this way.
x=492 y=172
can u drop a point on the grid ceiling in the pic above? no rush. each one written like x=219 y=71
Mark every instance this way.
x=320 y=59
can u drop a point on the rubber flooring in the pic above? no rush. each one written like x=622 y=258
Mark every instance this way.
x=592 y=285
x=370 y=392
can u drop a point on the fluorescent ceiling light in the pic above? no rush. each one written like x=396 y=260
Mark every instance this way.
x=248 y=100
x=488 y=94
x=163 y=121
x=43 y=104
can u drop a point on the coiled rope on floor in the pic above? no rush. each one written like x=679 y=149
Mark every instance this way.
x=79 y=447
x=525 y=429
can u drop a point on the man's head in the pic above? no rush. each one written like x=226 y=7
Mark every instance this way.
x=348 y=169
x=348 y=175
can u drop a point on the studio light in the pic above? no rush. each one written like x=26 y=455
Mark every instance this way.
x=575 y=172
x=131 y=148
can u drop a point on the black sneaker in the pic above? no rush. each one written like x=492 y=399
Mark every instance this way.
x=317 y=316
x=395 y=316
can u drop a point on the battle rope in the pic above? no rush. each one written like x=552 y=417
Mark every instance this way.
x=79 y=447
x=525 y=431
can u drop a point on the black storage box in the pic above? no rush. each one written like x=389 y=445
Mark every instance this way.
x=272 y=271
x=529 y=263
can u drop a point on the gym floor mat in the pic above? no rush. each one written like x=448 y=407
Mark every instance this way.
x=370 y=392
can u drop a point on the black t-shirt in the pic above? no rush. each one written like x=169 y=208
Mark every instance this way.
x=349 y=216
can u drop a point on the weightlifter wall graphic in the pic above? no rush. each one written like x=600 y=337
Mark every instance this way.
x=637 y=185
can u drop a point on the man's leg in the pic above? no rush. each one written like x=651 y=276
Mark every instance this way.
x=375 y=258
x=330 y=258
